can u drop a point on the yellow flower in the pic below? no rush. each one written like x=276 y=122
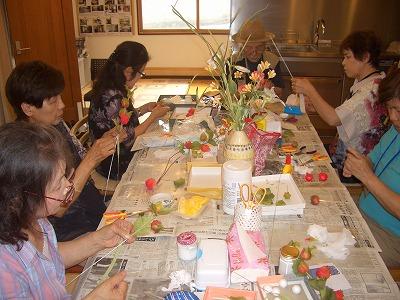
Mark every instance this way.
x=256 y=76
x=271 y=74
x=262 y=66
x=244 y=88
x=238 y=74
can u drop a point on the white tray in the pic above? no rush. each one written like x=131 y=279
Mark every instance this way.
x=294 y=206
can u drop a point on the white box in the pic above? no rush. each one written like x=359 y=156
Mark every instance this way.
x=213 y=266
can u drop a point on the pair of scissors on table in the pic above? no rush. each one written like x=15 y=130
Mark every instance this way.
x=247 y=197
x=112 y=216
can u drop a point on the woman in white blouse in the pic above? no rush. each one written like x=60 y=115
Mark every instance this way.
x=360 y=119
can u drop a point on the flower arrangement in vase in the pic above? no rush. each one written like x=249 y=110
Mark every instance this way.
x=238 y=100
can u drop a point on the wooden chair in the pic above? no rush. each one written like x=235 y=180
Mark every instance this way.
x=81 y=131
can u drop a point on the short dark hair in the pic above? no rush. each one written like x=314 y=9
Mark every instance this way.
x=33 y=82
x=127 y=54
x=362 y=42
x=29 y=154
x=389 y=87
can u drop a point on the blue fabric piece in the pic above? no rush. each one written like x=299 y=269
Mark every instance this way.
x=389 y=171
x=181 y=295
x=292 y=110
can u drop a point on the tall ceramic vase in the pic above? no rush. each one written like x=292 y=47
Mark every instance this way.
x=238 y=146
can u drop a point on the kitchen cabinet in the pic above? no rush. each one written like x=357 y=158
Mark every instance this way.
x=326 y=74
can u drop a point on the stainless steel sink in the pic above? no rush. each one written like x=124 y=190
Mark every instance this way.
x=298 y=48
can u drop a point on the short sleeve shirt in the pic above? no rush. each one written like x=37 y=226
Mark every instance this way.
x=386 y=161
x=29 y=274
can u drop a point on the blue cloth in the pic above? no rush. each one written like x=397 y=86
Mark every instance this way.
x=181 y=295
x=390 y=175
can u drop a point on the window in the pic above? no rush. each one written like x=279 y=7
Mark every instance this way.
x=156 y=16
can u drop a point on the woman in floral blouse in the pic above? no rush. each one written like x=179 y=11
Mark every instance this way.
x=112 y=105
x=360 y=119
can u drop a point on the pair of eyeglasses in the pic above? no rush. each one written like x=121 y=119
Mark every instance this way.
x=68 y=195
x=142 y=74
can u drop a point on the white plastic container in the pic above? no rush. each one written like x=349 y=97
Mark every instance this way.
x=234 y=173
x=212 y=267
x=187 y=245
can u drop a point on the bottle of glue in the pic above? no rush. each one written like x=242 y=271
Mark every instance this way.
x=287 y=168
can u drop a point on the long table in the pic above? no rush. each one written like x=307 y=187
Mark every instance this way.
x=150 y=259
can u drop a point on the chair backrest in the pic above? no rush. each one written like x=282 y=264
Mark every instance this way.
x=96 y=65
x=81 y=131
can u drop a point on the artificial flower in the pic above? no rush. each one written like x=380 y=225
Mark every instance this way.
x=238 y=74
x=242 y=69
x=244 y=88
x=323 y=273
x=125 y=102
x=256 y=76
x=271 y=74
x=262 y=66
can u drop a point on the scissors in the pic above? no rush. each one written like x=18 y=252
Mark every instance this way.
x=112 y=216
x=248 y=198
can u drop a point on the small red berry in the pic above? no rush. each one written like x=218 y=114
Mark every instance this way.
x=323 y=272
x=314 y=199
x=205 y=148
x=302 y=268
x=309 y=177
x=188 y=145
x=150 y=183
x=322 y=176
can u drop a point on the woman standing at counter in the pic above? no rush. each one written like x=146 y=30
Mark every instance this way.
x=112 y=96
x=360 y=119
x=380 y=174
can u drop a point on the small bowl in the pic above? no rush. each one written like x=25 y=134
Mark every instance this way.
x=162 y=203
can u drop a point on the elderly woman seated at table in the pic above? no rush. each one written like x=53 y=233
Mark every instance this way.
x=380 y=174
x=112 y=103
x=34 y=170
x=252 y=37
x=34 y=91
x=360 y=119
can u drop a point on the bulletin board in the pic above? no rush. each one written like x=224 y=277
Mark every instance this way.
x=104 y=17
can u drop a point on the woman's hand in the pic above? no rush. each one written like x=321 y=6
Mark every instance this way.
x=114 y=288
x=117 y=131
x=101 y=148
x=302 y=86
x=357 y=165
x=110 y=235
x=148 y=107
x=159 y=111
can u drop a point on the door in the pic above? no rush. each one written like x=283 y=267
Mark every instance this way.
x=44 y=30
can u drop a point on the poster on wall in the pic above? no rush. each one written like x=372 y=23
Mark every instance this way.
x=104 y=17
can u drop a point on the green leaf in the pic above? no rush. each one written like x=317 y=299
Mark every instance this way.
x=317 y=284
x=179 y=182
x=280 y=203
x=142 y=225
x=295 y=267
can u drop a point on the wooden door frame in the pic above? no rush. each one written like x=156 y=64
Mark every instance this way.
x=6 y=65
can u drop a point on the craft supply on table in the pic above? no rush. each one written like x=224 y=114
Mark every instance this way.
x=212 y=267
x=234 y=173
x=288 y=254
x=216 y=293
x=205 y=179
x=187 y=245
x=191 y=206
x=112 y=216
x=249 y=218
x=287 y=168
x=162 y=203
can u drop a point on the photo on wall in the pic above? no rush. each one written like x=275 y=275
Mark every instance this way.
x=101 y=17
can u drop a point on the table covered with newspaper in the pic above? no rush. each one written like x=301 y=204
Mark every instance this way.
x=153 y=257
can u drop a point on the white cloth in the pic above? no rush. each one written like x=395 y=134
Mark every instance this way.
x=353 y=113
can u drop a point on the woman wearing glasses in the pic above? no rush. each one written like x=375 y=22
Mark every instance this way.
x=34 y=185
x=34 y=91
x=111 y=103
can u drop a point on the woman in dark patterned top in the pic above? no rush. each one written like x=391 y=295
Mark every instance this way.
x=112 y=103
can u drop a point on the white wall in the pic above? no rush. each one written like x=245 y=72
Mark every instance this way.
x=175 y=51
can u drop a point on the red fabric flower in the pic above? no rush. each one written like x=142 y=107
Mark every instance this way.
x=248 y=120
x=323 y=272
x=190 y=112
x=339 y=295
x=124 y=117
